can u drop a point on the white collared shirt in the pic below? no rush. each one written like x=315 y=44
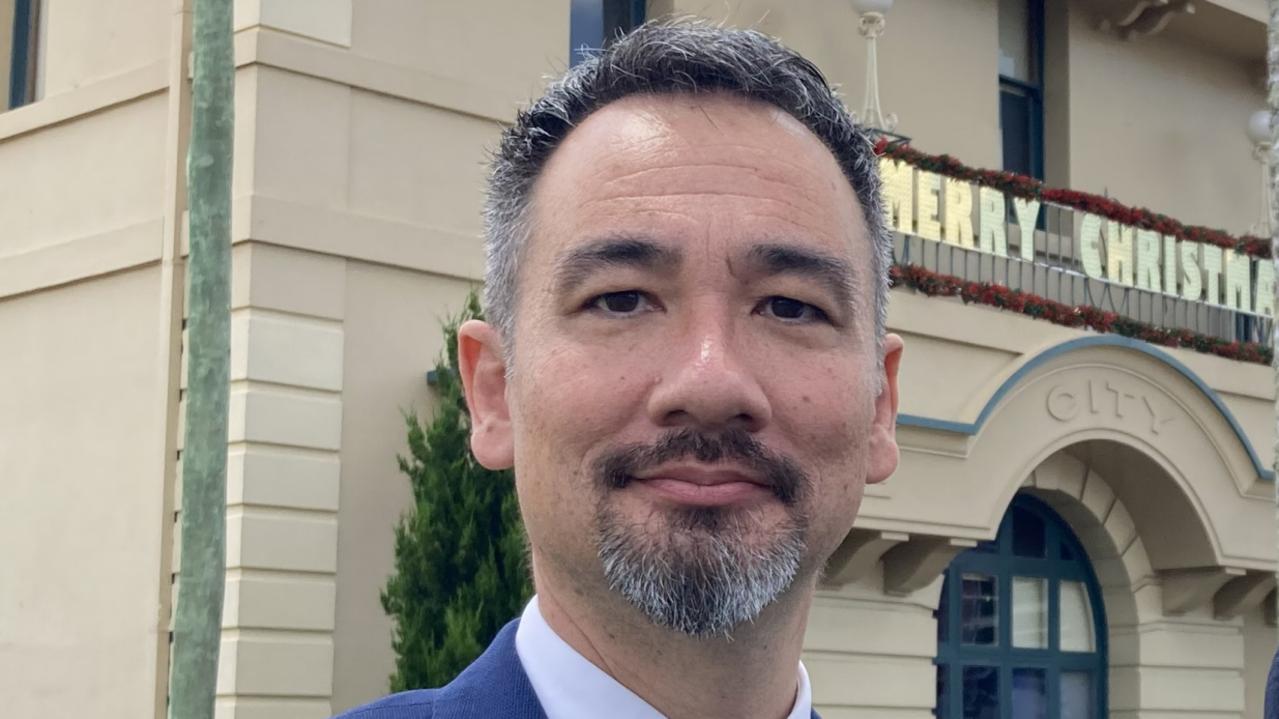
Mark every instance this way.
x=571 y=687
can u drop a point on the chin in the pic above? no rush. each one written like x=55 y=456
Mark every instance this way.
x=701 y=571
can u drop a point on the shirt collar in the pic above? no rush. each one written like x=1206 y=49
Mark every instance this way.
x=570 y=687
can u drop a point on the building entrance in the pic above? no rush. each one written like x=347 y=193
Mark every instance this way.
x=1020 y=625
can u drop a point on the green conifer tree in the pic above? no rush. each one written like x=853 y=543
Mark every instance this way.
x=460 y=567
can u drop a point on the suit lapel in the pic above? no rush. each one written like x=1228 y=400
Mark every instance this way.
x=495 y=685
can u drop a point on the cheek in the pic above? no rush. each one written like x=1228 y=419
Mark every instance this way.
x=827 y=414
x=567 y=404
x=569 y=407
x=571 y=391
x=827 y=407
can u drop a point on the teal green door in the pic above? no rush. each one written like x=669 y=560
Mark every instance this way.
x=1021 y=627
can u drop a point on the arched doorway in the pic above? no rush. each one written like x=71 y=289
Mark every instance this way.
x=1021 y=630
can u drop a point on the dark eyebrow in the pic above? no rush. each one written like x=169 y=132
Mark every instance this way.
x=577 y=265
x=834 y=273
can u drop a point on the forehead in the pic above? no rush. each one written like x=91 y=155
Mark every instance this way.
x=677 y=163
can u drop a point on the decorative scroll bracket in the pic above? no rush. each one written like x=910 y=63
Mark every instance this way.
x=1147 y=18
x=913 y=565
x=1242 y=594
x=1185 y=590
x=860 y=551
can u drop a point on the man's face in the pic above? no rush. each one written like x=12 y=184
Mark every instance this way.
x=694 y=405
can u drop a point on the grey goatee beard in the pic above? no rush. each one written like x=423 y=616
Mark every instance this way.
x=703 y=571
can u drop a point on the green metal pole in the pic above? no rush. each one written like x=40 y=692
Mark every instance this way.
x=198 y=621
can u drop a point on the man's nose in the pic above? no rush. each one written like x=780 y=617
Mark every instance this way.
x=707 y=383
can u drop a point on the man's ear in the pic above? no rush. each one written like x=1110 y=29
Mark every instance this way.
x=883 y=435
x=480 y=359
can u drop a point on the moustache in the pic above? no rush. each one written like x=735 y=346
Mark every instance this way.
x=783 y=475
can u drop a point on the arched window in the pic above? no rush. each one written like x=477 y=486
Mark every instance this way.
x=1021 y=632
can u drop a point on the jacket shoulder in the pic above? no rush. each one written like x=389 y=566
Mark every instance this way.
x=415 y=704
x=495 y=685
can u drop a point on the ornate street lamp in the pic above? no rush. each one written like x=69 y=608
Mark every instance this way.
x=871 y=26
x=1259 y=133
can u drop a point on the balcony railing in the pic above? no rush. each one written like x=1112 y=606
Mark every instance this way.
x=957 y=221
x=1057 y=274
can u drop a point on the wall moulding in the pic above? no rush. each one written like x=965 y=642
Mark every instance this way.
x=82 y=258
x=93 y=97
x=265 y=46
x=341 y=233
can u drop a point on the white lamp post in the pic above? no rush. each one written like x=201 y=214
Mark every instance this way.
x=871 y=27
x=1259 y=133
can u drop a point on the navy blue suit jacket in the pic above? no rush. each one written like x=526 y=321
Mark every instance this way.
x=494 y=687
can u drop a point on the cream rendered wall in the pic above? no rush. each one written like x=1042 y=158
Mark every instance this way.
x=1259 y=648
x=937 y=62
x=871 y=655
x=89 y=40
x=1160 y=123
x=116 y=185
x=87 y=177
x=492 y=47
x=1155 y=122
x=81 y=519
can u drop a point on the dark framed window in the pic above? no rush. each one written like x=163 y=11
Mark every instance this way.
x=1021 y=85
x=18 y=22
x=1021 y=630
x=594 y=23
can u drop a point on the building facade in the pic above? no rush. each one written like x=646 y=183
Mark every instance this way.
x=1083 y=522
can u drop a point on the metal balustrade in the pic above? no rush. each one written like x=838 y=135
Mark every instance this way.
x=1057 y=274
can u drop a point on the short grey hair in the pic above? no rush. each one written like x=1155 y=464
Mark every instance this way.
x=670 y=57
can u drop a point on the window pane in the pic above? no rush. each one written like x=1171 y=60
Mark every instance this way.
x=19 y=32
x=1030 y=612
x=585 y=28
x=1066 y=553
x=978 y=613
x=1076 y=618
x=6 y=49
x=1014 y=122
x=981 y=693
x=1076 y=695
x=620 y=17
x=1028 y=534
x=1030 y=694
x=1014 y=40
x=943 y=674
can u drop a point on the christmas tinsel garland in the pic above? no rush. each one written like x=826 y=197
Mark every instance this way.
x=1029 y=188
x=934 y=284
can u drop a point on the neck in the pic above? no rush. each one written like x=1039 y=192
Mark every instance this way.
x=753 y=673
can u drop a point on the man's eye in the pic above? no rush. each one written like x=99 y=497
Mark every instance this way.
x=785 y=308
x=619 y=303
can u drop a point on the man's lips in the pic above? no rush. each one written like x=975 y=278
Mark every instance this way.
x=703 y=486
